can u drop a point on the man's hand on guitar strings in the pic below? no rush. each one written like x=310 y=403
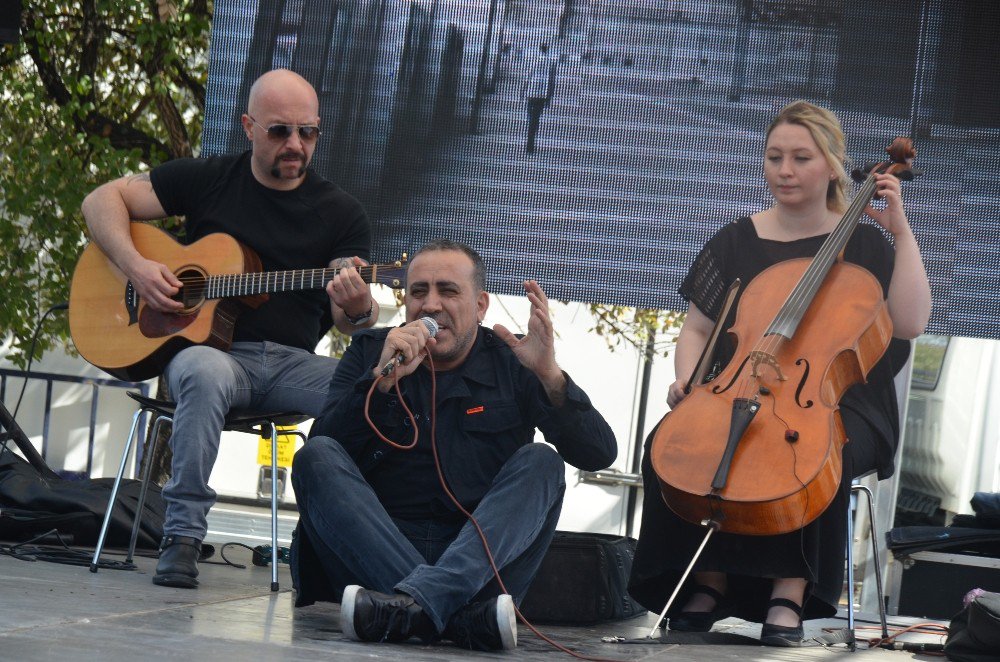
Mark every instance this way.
x=347 y=289
x=156 y=284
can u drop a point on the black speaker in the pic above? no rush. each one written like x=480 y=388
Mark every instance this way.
x=10 y=21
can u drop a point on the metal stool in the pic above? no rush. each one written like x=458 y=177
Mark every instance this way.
x=236 y=421
x=855 y=488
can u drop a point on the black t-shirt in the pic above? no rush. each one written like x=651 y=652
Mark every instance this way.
x=735 y=251
x=304 y=228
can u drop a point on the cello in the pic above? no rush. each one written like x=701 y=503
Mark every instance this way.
x=757 y=450
x=805 y=331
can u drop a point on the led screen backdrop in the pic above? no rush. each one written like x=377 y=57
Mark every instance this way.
x=654 y=134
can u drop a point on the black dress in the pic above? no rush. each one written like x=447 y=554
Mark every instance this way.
x=870 y=416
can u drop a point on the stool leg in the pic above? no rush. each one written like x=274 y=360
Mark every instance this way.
x=274 y=507
x=144 y=485
x=852 y=643
x=114 y=492
x=875 y=557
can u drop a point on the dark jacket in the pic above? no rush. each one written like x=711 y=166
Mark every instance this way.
x=481 y=419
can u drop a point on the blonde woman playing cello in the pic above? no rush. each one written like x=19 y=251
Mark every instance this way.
x=779 y=580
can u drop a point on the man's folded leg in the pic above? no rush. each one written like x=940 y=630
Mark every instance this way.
x=518 y=516
x=358 y=546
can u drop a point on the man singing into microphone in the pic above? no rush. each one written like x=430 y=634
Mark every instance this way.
x=377 y=530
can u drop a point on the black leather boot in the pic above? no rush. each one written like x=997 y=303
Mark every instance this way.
x=178 y=565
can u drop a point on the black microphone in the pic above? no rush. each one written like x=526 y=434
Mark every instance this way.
x=432 y=328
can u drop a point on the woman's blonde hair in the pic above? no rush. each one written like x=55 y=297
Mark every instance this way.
x=825 y=129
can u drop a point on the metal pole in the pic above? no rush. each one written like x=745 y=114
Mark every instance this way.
x=274 y=505
x=918 y=74
x=712 y=526
x=94 y=564
x=93 y=426
x=875 y=557
x=852 y=501
x=477 y=97
x=640 y=424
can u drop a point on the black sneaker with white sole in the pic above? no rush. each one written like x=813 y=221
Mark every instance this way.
x=371 y=616
x=488 y=625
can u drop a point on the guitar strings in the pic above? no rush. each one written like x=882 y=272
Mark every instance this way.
x=271 y=275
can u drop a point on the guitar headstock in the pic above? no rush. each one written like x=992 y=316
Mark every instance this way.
x=392 y=274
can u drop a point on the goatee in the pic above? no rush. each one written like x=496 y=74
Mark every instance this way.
x=276 y=172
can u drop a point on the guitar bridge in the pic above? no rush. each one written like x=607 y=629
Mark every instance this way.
x=131 y=303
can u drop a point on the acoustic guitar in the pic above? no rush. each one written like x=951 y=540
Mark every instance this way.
x=114 y=330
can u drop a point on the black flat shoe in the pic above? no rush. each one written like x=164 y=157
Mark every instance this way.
x=701 y=621
x=783 y=636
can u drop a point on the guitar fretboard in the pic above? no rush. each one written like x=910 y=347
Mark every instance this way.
x=238 y=285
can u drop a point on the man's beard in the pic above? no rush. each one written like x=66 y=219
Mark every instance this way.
x=460 y=347
x=276 y=171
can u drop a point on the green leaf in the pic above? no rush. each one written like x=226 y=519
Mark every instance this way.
x=53 y=149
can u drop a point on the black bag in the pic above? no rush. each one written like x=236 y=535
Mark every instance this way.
x=974 y=634
x=32 y=503
x=582 y=580
x=910 y=539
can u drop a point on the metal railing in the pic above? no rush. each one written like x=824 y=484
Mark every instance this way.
x=94 y=382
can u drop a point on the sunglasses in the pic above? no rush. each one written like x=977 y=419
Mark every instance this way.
x=307 y=132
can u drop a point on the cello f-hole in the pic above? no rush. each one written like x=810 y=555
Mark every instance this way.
x=723 y=389
x=802 y=383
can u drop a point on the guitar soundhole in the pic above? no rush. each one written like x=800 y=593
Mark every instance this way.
x=192 y=293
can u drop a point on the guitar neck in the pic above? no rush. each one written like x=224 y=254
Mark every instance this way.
x=267 y=282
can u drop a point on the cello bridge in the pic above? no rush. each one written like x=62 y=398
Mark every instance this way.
x=760 y=358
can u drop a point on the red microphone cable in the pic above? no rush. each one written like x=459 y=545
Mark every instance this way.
x=454 y=500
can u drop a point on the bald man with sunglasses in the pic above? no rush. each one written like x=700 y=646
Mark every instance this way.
x=269 y=199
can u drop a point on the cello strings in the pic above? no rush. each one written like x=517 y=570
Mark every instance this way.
x=818 y=270
x=809 y=283
x=828 y=251
x=796 y=305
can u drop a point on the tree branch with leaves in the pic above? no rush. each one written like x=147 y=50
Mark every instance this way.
x=652 y=332
x=95 y=89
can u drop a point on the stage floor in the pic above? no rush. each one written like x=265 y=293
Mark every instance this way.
x=50 y=611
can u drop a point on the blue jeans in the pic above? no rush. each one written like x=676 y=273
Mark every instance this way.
x=441 y=565
x=206 y=383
